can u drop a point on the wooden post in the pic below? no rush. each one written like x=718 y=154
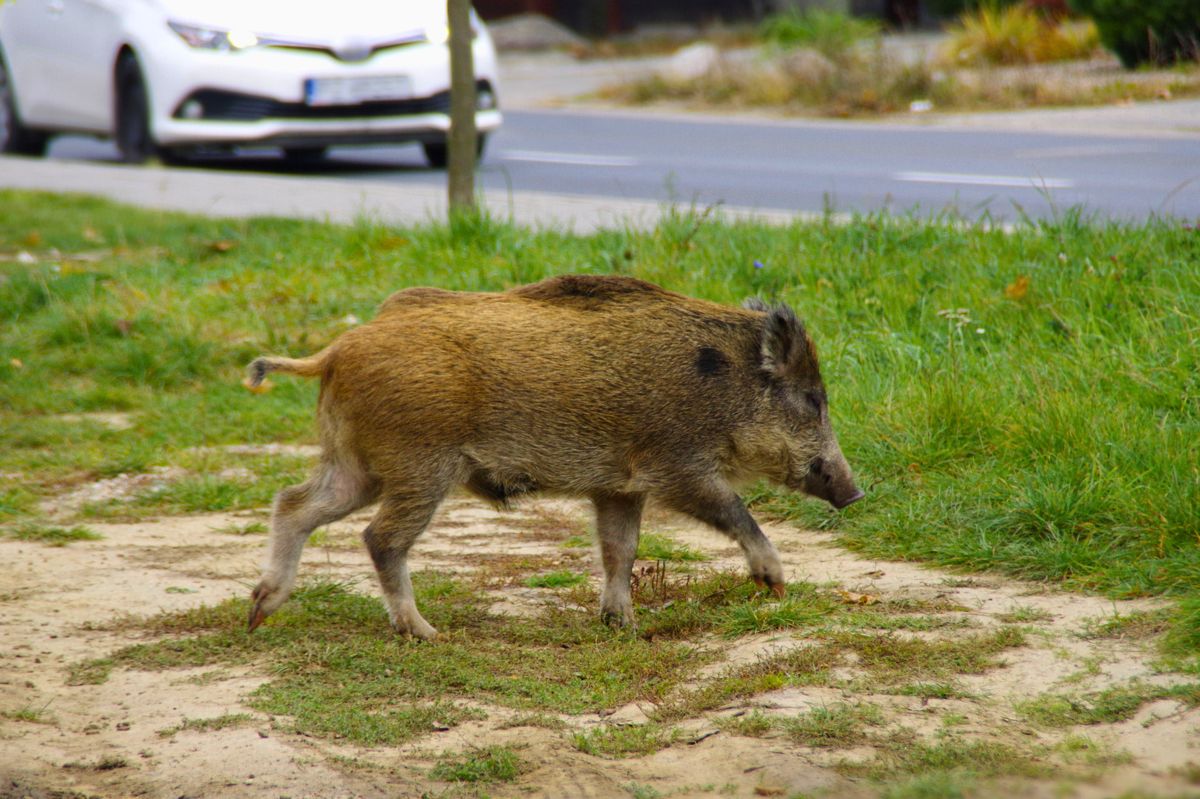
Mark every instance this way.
x=462 y=146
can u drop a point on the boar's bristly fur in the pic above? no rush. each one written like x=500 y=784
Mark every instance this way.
x=608 y=388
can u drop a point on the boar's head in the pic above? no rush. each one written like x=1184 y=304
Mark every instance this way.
x=792 y=436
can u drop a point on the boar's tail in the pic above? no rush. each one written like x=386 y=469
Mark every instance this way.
x=311 y=366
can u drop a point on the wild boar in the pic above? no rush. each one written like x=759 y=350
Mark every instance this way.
x=608 y=388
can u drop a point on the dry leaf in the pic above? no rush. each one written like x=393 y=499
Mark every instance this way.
x=1017 y=289
x=32 y=239
x=851 y=598
x=224 y=245
x=16 y=363
x=261 y=388
x=90 y=233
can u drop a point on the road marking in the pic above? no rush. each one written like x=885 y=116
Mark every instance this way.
x=1083 y=151
x=571 y=159
x=985 y=180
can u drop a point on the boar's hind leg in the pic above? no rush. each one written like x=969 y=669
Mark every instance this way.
x=618 y=519
x=332 y=492
x=389 y=536
x=719 y=506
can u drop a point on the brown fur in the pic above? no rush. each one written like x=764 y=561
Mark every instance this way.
x=604 y=387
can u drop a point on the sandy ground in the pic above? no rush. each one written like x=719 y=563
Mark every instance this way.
x=52 y=600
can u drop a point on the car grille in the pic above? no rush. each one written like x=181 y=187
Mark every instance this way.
x=226 y=106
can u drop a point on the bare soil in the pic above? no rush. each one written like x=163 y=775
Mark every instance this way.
x=103 y=740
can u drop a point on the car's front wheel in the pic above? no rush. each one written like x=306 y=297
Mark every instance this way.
x=133 y=136
x=437 y=153
x=15 y=138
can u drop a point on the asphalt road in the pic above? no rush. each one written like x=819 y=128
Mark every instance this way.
x=793 y=166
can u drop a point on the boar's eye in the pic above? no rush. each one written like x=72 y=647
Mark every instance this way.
x=814 y=400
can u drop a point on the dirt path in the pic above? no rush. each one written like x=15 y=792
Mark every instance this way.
x=112 y=739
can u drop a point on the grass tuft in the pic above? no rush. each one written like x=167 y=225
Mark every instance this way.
x=557 y=579
x=624 y=740
x=659 y=546
x=52 y=536
x=487 y=764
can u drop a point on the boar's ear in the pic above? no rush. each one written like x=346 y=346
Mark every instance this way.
x=787 y=350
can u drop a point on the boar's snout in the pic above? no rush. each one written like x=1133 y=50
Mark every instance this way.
x=832 y=481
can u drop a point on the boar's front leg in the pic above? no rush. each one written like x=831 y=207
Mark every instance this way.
x=717 y=504
x=618 y=520
x=397 y=524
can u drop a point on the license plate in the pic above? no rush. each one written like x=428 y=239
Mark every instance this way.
x=352 y=91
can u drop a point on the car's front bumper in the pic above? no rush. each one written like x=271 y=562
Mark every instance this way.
x=257 y=96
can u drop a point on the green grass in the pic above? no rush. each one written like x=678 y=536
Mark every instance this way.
x=1102 y=707
x=208 y=725
x=51 y=536
x=659 y=546
x=1057 y=444
x=556 y=579
x=626 y=740
x=839 y=725
x=30 y=715
x=488 y=764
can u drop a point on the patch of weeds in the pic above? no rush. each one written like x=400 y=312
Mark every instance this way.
x=640 y=791
x=1088 y=751
x=1137 y=625
x=799 y=666
x=30 y=715
x=1114 y=704
x=624 y=740
x=178 y=589
x=106 y=763
x=90 y=672
x=543 y=720
x=250 y=528
x=224 y=722
x=938 y=785
x=1024 y=614
x=889 y=658
x=931 y=690
x=577 y=542
x=659 y=546
x=754 y=724
x=557 y=579
x=803 y=607
x=16 y=501
x=209 y=677
x=903 y=753
x=1105 y=707
x=488 y=764
x=52 y=536
x=839 y=725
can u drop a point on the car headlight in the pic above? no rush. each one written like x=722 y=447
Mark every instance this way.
x=213 y=38
x=437 y=34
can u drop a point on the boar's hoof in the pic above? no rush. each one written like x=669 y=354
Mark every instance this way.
x=617 y=619
x=422 y=631
x=777 y=588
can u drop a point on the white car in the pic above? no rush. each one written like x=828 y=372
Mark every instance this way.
x=171 y=77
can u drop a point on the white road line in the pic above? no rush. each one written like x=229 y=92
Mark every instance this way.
x=1084 y=151
x=572 y=159
x=985 y=180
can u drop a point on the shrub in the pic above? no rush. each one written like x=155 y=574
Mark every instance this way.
x=953 y=8
x=1146 y=31
x=1017 y=35
x=828 y=32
